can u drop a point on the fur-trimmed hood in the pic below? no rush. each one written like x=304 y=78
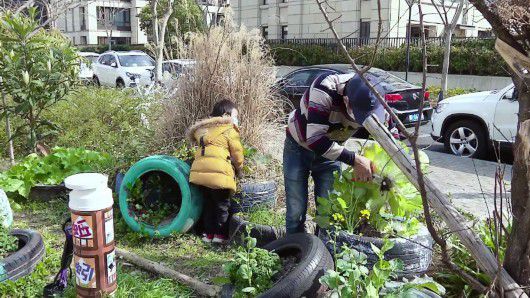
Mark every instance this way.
x=207 y=123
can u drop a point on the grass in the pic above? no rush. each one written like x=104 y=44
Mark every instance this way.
x=184 y=253
x=264 y=216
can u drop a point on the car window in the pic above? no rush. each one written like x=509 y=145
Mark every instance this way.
x=389 y=81
x=299 y=79
x=112 y=59
x=135 y=60
x=104 y=59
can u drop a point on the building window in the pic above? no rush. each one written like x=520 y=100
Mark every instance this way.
x=265 y=31
x=82 y=18
x=365 y=30
x=103 y=40
x=264 y=2
x=83 y=40
x=484 y=34
x=73 y=21
x=115 y=18
x=284 y=32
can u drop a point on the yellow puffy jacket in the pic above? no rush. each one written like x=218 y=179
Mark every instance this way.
x=218 y=155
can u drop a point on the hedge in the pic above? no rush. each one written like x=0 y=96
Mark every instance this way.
x=117 y=47
x=469 y=58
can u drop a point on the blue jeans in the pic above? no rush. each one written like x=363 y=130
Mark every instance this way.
x=298 y=164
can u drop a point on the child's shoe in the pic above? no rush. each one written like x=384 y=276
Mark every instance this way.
x=220 y=239
x=207 y=238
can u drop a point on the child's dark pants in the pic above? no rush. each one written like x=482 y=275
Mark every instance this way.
x=215 y=210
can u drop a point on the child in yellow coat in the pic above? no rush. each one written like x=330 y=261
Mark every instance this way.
x=217 y=161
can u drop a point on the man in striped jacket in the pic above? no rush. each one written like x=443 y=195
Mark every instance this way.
x=330 y=112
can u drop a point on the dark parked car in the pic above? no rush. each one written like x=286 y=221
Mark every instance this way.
x=401 y=95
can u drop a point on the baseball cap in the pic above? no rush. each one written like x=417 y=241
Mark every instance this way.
x=362 y=101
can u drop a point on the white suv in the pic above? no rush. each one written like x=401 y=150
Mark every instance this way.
x=469 y=124
x=124 y=69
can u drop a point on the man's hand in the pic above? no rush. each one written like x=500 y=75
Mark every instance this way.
x=363 y=168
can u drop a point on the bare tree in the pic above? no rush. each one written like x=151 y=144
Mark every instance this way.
x=159 y=31
x=510 y=20
x=106 y=15
x=443 y=8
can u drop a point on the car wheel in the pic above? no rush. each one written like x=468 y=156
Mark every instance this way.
x=120 y=83
x=96 y=81
x=466 y=138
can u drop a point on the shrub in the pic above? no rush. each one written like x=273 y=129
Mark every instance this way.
x=469 y=57
x=106 y=120
x=38 y=69
x=231 y=63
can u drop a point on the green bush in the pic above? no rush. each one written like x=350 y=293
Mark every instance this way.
x=467 y=57
x=118 y=47
x=104 y=120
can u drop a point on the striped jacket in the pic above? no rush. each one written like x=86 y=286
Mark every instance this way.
x=323 y=122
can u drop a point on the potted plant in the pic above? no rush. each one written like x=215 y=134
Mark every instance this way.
x=288 y=267
x=257 y=187
x=20 y=250
x=361 y=214
x=352 y=278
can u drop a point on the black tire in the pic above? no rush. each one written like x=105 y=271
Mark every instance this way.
x=23 y=262
x=415 y=253
x=96 y=81
x=252 y=195
x=120 y=83
x=477 y=129
x=264 y=234
x=313 y=260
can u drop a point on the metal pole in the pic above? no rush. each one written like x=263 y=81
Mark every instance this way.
x=408 y=42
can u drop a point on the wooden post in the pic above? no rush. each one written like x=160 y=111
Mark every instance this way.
x=154 y=267
x=439 y=202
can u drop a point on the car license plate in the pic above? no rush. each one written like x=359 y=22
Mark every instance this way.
x=414 y=117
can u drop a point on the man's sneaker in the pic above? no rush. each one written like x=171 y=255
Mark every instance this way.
x=207 y=238
x=219 y=239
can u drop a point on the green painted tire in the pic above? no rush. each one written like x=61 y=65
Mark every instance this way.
x=191 y=206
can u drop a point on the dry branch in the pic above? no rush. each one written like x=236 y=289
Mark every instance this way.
x=202 y=289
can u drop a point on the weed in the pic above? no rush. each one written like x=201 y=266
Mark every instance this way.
x=264 y=216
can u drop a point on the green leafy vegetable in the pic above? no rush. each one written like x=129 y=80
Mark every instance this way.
x=252 y=269
x=51 y=169
x=351 y=277
x=389 y=203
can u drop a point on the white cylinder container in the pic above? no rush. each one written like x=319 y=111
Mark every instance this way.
x=92 y=234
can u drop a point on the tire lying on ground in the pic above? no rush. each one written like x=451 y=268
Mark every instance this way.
x=313 y=260
x=191 y=197
x=415 y=252
x=264 y=234
x=254 y=194
x=23 y=261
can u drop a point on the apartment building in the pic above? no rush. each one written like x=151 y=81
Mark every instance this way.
x=90 y=22
x=285 y=19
